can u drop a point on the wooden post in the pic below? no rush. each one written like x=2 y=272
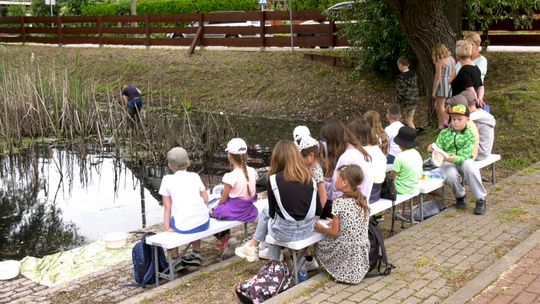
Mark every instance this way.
x=332 y=28
x=262 y=30
x=59 y=29
x=194 y=41
x=100 y=30
x=23 y=30
x=147 y=27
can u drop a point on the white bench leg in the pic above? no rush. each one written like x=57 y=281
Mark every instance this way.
x=156 y=263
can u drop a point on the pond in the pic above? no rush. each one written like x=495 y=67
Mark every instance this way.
x=57 y=197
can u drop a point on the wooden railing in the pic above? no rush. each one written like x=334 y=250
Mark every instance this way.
x=238 y=29
x=235 y=29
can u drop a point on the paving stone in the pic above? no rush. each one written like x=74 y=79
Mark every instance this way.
x=418 y=284
x=382 y=294
x=360 y=296
x=432 y=300
x=318 y=298
x=526 y=298
x=339 y=297
x=412 y=300
x=403 y=293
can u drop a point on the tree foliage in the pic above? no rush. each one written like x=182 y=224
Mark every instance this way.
x=483 y=13
x=16 y=10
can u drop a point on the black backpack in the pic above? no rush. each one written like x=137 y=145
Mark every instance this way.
x=144 y=269
x=377 y=251
x=273 y=278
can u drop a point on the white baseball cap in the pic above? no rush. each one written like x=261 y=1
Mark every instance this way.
x=300 y=131
x=305 y=142
x=236 y=146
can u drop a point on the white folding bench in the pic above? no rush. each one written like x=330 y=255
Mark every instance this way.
x=384 y=204
x=170 y=240
x=490 y=160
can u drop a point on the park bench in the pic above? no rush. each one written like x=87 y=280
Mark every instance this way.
x=425 y=186
x=170 y=240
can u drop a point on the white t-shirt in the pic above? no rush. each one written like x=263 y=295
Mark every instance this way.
x=379 y=163
x=237 y=180
x=392 y=130
x=188 y=208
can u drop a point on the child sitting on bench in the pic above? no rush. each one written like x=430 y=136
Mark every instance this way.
x=239 y=194
x=185 y=201
x=344 y=252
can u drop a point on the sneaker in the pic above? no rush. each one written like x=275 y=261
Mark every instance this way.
x=192 y=259
x=251 y=254
x=309 y=265
x=228 y=249
x=480 y=207
x=265 y=254
x=460 y=203
x=178 y=265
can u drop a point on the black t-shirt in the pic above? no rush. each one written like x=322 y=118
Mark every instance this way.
x=468 y=76
x=131 y=92
x=295 y=198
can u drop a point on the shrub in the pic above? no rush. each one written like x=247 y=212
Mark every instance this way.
x=16 y=10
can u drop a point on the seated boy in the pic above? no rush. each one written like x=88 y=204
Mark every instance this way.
x=406 y=91
x=393 y=115
x=458 y=142
x=185 y=201
x=407 y=167
x=461 y=99
x=484 y=122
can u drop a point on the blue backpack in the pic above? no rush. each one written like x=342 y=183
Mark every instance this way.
x=144 y=268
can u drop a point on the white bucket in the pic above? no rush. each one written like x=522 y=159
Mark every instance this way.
x=9 y=269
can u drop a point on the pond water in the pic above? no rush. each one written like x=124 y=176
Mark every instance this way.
x=55 y=198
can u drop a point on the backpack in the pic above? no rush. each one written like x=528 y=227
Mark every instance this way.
x=273 y=278
x=144 y=269
x=429 y=209
x=377 y=251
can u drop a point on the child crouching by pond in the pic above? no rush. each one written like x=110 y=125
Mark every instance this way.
x=344 y=252
x=185 y=202
x=239 y=194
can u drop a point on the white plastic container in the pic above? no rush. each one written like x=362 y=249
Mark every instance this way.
x=9 y=269
x=115 y=240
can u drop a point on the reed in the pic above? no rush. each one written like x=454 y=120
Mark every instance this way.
x=54 y=100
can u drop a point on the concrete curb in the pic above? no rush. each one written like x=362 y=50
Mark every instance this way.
x=493 y=272
x=298 y=289
x=178 y=281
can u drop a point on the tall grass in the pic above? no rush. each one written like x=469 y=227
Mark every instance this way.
x=48 y=100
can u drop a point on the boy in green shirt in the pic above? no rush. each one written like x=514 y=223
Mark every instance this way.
x=458 y=142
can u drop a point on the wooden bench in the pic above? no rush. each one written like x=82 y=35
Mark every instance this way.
x=170 y=240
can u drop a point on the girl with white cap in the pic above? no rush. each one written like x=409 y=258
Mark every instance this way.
x=239 y=193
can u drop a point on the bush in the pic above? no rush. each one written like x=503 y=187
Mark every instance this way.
x=16 y=10
x=376 y=38
x=155 y=7
x=38 y=8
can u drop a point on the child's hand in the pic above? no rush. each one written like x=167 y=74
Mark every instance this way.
x=169 y=228
x=430 y=148
x=450 y=158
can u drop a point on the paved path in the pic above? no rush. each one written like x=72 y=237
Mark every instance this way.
x=520 y=284
x=438 y=257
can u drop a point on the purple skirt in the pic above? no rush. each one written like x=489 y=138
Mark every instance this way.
x=237 y=209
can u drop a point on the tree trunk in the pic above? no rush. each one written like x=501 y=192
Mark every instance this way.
x=133 y=7
x=454 y=13
x=424 y=24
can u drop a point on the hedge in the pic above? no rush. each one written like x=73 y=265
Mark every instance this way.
x=154 y=7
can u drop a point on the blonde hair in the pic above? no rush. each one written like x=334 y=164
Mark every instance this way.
x=287 y=159
x=374 y=120
x=463 y=49
x=473 y=38
x=354 y=176
x=241 y=160
x=439 y=51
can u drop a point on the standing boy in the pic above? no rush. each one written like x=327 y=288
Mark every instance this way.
x=406 y=91
x=458 y=142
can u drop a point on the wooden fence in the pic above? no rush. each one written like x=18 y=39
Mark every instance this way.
x=238 y=29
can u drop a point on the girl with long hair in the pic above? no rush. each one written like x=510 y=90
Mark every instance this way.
x=293 y=203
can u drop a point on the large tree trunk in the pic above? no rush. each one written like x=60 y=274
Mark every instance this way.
x=424 y=24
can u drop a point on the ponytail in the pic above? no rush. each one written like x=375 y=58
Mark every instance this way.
x=244 y=168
